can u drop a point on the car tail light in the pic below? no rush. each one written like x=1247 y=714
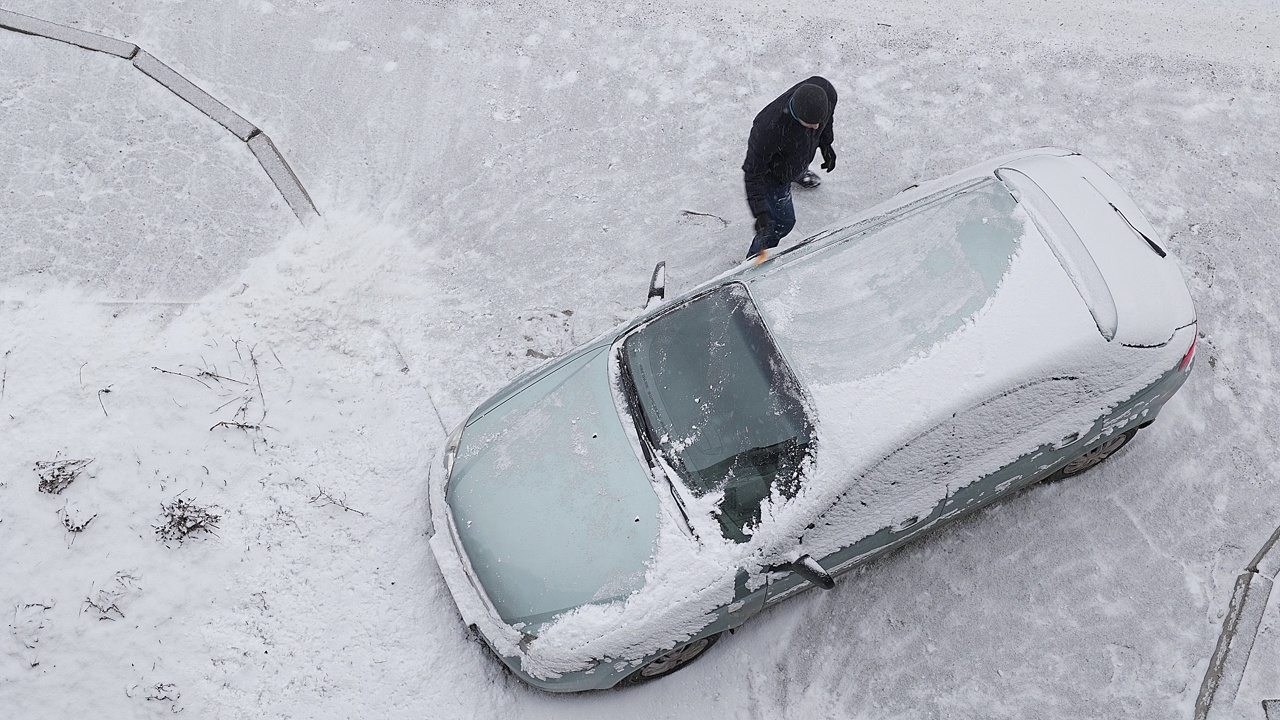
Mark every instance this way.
x=1191 y=351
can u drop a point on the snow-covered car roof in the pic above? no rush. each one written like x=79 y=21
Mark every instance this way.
x=874 y=298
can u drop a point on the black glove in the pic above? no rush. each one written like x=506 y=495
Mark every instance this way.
x=763 y=221
x=828 y=158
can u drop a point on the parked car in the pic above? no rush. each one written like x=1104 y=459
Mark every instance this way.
x=606 y=517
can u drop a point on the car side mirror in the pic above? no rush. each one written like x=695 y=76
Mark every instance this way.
x=657 y=285
x=809 y=569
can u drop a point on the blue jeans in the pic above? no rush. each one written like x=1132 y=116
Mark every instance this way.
x=782 y=217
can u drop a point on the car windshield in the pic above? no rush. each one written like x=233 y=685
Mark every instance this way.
x=714 y=396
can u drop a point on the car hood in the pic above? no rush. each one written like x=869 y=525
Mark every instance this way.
x=551 y=505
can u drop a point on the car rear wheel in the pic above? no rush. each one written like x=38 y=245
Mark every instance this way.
x=1101 y=452
x=664 y=665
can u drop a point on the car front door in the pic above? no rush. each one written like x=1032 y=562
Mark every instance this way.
x=911 y=478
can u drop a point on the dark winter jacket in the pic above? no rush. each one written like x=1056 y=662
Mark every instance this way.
x=780 y=148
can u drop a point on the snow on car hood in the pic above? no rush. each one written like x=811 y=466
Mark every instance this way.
x=549 y=501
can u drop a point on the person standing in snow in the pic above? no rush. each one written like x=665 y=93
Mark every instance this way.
x=783 y=139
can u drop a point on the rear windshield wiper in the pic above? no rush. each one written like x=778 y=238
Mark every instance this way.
x=1159 y=250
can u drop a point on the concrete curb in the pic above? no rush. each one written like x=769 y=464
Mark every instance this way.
x=1267 y=561
x=87 y=40
x=285 y=180
x=187 y=90
x=282 y=175
x=1239 y=630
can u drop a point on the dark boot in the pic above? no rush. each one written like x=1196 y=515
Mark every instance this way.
x=808 y=180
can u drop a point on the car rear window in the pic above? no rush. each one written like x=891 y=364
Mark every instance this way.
x=868 y=302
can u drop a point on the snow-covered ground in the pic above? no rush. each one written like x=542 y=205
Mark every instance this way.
x=497 y=181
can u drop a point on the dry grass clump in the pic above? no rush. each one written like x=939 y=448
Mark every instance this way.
x=56 y=475
x=182 y=518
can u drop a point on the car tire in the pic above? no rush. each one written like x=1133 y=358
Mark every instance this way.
x=1093 y=456
x=664 y=665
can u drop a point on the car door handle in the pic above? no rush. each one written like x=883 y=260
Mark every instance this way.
x=907 y=523
x=1066 y=441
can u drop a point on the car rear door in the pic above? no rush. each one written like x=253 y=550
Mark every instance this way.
x=1010 y=441
x=963 y=463
x=910 y=479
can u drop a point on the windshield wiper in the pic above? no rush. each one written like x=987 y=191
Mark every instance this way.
x=644 y=431
x=638 y=418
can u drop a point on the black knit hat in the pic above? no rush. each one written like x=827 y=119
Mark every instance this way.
x=809 y=104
